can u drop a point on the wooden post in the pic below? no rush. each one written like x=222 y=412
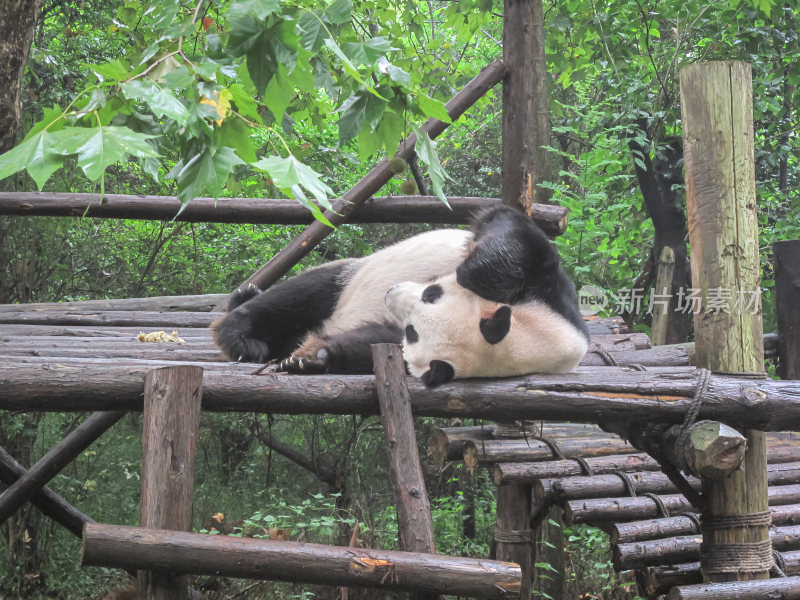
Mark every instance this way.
x=169 y=443
x=716 y=101
x=663 y=288
x=414 y=523
x=526 y=115
x=787 y=292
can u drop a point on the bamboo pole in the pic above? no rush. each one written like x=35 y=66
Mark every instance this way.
x=716 y=106
x=131 y=547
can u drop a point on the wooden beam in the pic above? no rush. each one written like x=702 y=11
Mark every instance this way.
x=785 y=588
x=587 y=394
x=201 y=554
x=376 y=209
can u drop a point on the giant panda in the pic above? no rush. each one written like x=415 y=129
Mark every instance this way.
x=490 y=302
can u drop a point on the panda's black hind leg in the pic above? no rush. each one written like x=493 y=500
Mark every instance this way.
x=347 y=352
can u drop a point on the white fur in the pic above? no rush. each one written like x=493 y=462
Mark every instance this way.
x=421 y=258
x=539 y=339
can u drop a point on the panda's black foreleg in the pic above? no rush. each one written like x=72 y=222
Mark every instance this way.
x=347 y=352
x=270 y=324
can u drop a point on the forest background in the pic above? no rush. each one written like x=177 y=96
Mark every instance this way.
x=267 y=99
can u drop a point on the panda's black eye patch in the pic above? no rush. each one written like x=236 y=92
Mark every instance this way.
x=432 y=293
x=412 y=336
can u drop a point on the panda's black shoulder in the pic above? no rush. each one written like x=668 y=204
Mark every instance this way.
x=512 y=261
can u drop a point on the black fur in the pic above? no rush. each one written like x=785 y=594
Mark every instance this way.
x=513 y=262
x=432 y=293
x=271 y=324
x=495 y=328
x=348 y=352
x=440 y=372
x=412 y=336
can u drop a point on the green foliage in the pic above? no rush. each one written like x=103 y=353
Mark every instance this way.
x=589 y=570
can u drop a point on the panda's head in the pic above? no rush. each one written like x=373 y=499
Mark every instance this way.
x=452 y=333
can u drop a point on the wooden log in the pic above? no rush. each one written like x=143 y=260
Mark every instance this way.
x=55 y=460
x=660 y=356
x=638 y=531
x=659 y=579
x=447 y=443
x=686 y=548
x=196 y=553
x=653 y=529
x=387 y=209
x=602 y=511
x=33 y=331
x=291 y=254
x=717 y=112
x=619 y=342
x=136 y=350
x=46 y=500
x=195 y=303
x=787 y=299
x=414 y=523
x=497 y=451
x=106 y=318
x=588 y=394
x=169 y=444
x=612 y=325
x=518 y=472
x=643 y=482
x=785 y=588
x=778 y=451
x=663 y=288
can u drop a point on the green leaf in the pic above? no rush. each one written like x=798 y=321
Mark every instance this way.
x=339 y=12
x=433 y=108
x=35 y=155
x=51 y=120
x=163 y=12
x=313 y=32
x=99 y=147
x=260 y=9
x=349 y=67
x=160 y=100
x=114 y=70
x=235 y=134
x=426 y=150
x=245 y=105
x=207 y=170
x=279 y=93
x=391 y=131
x=367 y=53
x=293 y=177
x=399 y=76
x=351 y=119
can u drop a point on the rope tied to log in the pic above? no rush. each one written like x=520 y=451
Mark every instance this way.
x=757 y=519
x=513 y=536
x=662 y=508
x=606 y=356
x=585 y=468
x=778 y=564
x=745 y=557
x=552 y=445
x=630 y=484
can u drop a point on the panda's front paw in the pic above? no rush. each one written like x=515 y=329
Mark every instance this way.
x=305 y=364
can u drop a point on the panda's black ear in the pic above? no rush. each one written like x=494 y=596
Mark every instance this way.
x=440 y=372
x=496 y=327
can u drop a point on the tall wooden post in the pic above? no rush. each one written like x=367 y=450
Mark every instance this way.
x=716 y=100
x=169 y=444
x=787 y=292
x=526 y=113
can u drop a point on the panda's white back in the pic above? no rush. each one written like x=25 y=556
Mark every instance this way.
x=421 y=258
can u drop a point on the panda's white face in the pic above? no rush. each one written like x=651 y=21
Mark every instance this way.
x=452 y=333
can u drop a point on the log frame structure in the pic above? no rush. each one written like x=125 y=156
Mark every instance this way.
x=118 y=384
